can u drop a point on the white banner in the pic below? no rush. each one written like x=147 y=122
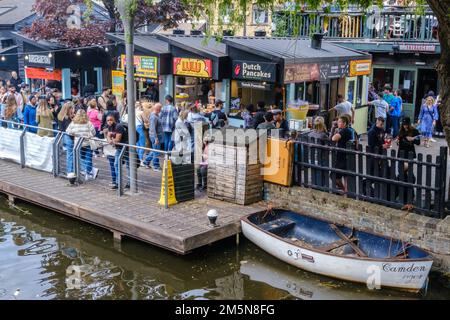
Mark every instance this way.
x=38 y=150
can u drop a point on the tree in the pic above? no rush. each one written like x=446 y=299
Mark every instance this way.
x=441 y=9
x=164 y=12
x=67 y=22
x=74 y=24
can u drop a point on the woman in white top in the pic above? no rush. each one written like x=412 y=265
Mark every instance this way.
x=81 y=127
x=182 y=138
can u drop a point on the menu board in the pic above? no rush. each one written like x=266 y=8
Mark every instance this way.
x=301 y=73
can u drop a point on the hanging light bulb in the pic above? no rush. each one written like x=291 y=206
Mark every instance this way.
x=3 y=58
x=27 y=57
x=106 y=49
x=50 y=55
x=78 y=53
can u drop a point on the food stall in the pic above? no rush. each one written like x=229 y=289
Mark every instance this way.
x=310 y=75
x=200 y=67
x=152 y=64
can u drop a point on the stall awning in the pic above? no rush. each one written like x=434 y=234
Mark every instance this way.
x=301 y=62
x=39 y=73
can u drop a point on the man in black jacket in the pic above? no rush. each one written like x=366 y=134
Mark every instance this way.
x=259 y=116
x=376 y=137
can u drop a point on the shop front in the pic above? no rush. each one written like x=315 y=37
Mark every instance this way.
x=145 y=76
x=308 y=80
x=193 y=81
x=83 y=71
x=253 y=81
x=414 y=74
x=40 y=70
x=152 y=67
x=201 y=70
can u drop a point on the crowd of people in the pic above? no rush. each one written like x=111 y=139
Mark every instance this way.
x=389 y=106
x=170 y=127
x=105 y=117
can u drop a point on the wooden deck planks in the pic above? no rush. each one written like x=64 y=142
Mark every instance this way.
x=181 y=228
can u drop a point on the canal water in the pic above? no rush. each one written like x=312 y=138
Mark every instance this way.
x=44 y=255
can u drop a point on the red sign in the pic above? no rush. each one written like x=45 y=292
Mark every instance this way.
x=192 y=67
x=39 y=73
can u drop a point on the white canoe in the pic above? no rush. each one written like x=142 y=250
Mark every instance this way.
x=321 y=247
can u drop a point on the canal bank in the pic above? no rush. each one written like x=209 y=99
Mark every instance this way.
x=180 y=228
x=41 y=253
x=427 y=233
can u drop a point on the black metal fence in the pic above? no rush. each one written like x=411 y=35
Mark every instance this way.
x=395 y=180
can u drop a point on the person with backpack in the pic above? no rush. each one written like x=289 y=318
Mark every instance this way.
x=428 y=116
x=218 y=118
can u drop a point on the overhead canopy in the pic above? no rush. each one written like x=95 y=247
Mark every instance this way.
x=298 y=61
x=200 y=51
x=144 y=42
x=149 y=48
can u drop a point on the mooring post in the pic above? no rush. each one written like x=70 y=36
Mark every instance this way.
x=237 y=239
x=11 y=199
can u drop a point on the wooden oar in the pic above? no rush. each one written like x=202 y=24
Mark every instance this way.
x=348 y=240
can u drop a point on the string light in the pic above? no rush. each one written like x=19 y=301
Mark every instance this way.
x=78 y=53
x=52 y=52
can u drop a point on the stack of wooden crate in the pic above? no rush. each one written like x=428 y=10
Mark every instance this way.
x=234 y=174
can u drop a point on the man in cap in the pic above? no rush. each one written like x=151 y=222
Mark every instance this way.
x=218 y=118
x=280 y=123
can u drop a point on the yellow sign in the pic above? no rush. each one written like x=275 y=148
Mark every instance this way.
x=170 y=185
x=360 y=67
x=146 y=67
x=118 y=83
x=192 y=67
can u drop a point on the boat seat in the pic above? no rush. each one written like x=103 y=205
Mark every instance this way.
x=277 y=225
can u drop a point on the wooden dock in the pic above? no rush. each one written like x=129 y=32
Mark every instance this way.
x=181 y=228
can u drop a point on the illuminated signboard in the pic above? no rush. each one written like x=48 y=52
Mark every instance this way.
x=146 y=67
x=360 y=67
x=192 y=67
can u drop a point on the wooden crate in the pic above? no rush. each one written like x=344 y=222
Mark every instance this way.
x=233 y=175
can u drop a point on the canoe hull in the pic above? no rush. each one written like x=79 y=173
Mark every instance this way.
x=410 y=275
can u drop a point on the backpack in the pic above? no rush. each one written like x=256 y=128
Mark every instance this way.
x=215 y=120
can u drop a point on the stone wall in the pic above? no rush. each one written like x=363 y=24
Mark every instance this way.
x=428 y=233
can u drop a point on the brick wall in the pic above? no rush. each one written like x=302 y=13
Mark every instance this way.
x=428 y=233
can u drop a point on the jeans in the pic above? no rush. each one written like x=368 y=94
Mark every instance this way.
x=86 y=159
x=202 y=176
x=114 y=165
x=168 y=143
x=395 y=121
x=140 y=142
x=68 y=144
x=152 y=158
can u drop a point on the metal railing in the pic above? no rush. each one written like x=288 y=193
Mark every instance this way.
x=92 y=165
x=392 y=180
x=391 y=23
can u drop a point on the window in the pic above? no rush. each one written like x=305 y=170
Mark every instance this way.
x=406 y=85
x=260 y=16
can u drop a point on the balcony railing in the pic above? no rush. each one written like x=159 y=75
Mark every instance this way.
x=391 y=23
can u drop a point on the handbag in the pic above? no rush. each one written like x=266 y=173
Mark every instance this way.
x=109 y=150
x=94 y=144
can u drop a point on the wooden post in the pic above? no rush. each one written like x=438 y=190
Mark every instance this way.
x=11 y=199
